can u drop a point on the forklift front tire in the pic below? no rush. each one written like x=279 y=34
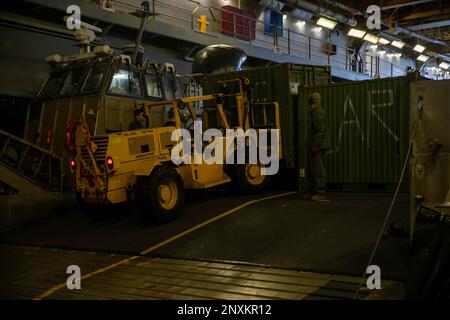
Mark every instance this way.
x=162 y=194
x=247 y=179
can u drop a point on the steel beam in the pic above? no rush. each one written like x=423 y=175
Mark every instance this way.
x=405 y=4
x=430 y=25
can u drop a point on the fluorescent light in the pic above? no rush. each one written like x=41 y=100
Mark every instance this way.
x=382 y=52
x=373 y=46
x=300 y=23
x=419 y=48
x=371 y=38
x=398 y=44
x=394 y=55
x=356 y=33
x=444 y=65
x=423 y=58
x=327 y=23
x=384 y=41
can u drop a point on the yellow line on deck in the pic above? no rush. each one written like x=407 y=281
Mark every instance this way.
x=159 y=245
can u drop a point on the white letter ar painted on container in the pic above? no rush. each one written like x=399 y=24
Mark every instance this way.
x=74 y=20
x=74 y=280
x=374 y=20
x=348 y=104
x=374 y=280
x=379 y=96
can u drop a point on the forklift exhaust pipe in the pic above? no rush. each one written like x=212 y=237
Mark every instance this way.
x=144 y=15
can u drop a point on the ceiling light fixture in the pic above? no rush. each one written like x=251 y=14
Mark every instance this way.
x=419 y=48
x=327 y=23
x=397 y=43
x=371 y=38
x=356 y=33
x=444 y=65
x=423 y=58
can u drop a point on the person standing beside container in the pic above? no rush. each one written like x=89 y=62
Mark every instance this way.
x=318 y=142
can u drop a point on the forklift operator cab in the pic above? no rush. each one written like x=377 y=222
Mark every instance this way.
x=104 y=88
x=128 y=90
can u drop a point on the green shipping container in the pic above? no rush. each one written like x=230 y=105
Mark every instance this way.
x=278 y=83
x=368 y=122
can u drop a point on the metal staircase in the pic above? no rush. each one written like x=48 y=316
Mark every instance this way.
x=36 y=164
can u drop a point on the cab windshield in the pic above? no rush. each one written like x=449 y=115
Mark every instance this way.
x=125 y=82
x=95 y=78
x=75 y=79
x=54 y=84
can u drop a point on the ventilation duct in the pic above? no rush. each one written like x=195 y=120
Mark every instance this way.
x=282 y=8
x=301 y=14
x=413 y=34
x=274 y=5
x=341 y=6
x=321 y=11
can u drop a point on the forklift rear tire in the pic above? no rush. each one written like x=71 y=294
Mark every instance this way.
x=247 y=179
x=162 y=194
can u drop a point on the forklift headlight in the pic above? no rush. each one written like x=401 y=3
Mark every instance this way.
x=110 y=162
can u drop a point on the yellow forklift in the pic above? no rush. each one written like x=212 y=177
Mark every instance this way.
x=137 y=164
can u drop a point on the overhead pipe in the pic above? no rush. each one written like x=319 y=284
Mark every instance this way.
x=397 y=29
x=442 y=56
x=345 y=8
x=310 y=7
x=301 y=14
x=322 y=11
x=405 y=4
x=357 y=12
x=282 y=8
x=274 y=5
x=416 y=35
x=430 y=25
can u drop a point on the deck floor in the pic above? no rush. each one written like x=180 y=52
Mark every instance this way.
x=223 y=246
x=28 y=272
